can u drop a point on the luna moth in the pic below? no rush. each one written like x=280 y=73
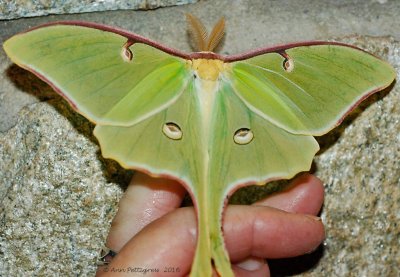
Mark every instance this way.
x=213 y=122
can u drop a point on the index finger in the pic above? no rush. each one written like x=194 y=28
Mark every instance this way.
x=304 y=195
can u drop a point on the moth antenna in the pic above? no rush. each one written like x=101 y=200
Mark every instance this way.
x=197 y=31
x=216 y=35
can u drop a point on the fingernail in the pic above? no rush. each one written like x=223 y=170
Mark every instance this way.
x=251 y=264
x=316 y=218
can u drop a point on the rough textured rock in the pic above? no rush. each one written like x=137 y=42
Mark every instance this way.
x=58 y=195
x=54 y=226
x=361 y=171
x=359 y=162
x=11 y=9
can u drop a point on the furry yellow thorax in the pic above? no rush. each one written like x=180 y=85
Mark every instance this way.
x=208 y=69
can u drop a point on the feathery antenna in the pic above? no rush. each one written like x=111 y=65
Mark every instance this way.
x=198 y=32
x=216 y=35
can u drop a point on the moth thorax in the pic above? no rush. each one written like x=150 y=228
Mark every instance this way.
x=208 y=69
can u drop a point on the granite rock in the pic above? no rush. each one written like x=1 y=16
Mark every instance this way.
x=11 y=9
x=360 y=165
x=58 y=195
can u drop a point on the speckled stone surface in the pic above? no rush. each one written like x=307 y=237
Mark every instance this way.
x=360 y=165
x=58 y=195
x=11 y=9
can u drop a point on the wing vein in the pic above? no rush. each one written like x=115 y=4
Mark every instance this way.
x=280 y=75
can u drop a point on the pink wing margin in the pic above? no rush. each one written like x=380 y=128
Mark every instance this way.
x=195 y=55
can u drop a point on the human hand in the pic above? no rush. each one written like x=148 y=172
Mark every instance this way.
x=150 y=232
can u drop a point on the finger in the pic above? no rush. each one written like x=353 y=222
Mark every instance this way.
x=167 y=242
x=249 y=231
x=252 y=267
x=304 y=195
x=145 y=200
x=270 y=233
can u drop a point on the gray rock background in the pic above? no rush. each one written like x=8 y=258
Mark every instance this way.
x=58 y=195
x=12 y=9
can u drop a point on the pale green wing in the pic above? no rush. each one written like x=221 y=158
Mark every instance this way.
x=271 y=153
x=145 y=146
x=309 y=89
x=210 y=166
x=151 y=115
x=92 y=69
